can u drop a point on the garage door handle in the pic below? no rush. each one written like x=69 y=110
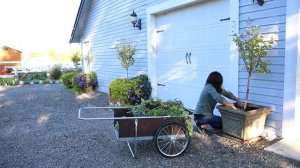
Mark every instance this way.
x=159 y=84
x=190 y=57
x=186 y=55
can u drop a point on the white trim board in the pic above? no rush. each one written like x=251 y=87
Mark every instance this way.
x=290 y=120
x=177 y=4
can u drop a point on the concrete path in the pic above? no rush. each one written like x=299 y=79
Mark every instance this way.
x=289 y=148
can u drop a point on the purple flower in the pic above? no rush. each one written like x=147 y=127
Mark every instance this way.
x=81 y=81
x=132 y=97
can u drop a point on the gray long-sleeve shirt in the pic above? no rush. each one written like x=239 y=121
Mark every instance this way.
x=208 y=99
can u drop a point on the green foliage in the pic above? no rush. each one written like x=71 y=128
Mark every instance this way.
x=76 y=59
x=30 y=76
x=253 y=51
x=79 y=82
x=157 y=107
x=119 y=87
x=253 y=48
x=125 y=55
x=8 y=81
x=147 y=89
x=55 y=72
x=67 y=79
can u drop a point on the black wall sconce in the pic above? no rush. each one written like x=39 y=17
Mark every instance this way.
x=260 y=2
x=136 y=22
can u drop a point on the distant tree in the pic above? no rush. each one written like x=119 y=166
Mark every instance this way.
x=53 y=55
x=34 y=54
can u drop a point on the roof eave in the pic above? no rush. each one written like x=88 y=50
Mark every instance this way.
x=79 y=24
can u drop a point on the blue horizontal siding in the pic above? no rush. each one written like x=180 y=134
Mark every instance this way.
x=109 y=22
x=266 y=89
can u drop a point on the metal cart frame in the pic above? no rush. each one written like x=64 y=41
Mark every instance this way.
x=179 y=135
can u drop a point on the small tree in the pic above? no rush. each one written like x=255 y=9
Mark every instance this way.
x=125 y=55
x=252 y=50
x=76 y=59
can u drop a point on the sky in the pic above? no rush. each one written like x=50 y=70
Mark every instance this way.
x=35 y=25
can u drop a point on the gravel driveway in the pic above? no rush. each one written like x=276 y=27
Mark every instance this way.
x=39 y=128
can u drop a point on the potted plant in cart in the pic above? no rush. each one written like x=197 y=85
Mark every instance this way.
x=249 y=121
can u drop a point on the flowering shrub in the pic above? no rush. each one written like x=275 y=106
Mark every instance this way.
x=132 y=97
x=92 y=80
x=130 y=91
x=79 y=83
x=136 y=98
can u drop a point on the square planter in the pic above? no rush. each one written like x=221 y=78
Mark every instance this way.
x=244 y=125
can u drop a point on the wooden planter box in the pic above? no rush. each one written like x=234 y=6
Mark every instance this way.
x=146 y=127
x=244 y=125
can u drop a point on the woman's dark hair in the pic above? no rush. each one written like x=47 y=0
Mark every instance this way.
x=216 y=80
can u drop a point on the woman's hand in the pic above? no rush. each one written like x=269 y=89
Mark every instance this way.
x=226 y=103
x=231 y=106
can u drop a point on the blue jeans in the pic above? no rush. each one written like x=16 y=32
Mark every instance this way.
x=214 y=121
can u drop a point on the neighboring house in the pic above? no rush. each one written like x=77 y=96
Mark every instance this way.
x=10 y=56
x=182 y=41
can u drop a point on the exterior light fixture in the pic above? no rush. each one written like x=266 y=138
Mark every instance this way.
x=260 y=2
x=136 y=22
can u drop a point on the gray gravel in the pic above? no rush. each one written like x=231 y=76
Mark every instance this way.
x=39 y=128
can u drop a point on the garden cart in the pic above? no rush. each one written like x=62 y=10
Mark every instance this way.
x=171 y=135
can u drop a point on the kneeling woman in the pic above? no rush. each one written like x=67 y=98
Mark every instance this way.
x=209 y=97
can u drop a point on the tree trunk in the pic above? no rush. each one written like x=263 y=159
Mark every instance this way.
x=127 y=72
x=247 y=91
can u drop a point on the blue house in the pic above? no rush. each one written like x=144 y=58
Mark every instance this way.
x=181 y=41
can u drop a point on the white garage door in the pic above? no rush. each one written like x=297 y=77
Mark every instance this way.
x=191 y=43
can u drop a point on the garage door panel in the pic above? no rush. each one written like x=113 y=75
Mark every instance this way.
x=177 y=75
x=177 y=58
x=198 y=32
x=210 y=57
x=172 y=40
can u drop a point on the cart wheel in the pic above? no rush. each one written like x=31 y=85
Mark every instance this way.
x=172 y=139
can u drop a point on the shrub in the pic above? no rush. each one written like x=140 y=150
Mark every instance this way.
x=55 y=72
x=67 y=79
x=130 y=91
x=8 y=81
x=30 y=76
x=79 y=83
x=144 y=87
x=92 y=80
